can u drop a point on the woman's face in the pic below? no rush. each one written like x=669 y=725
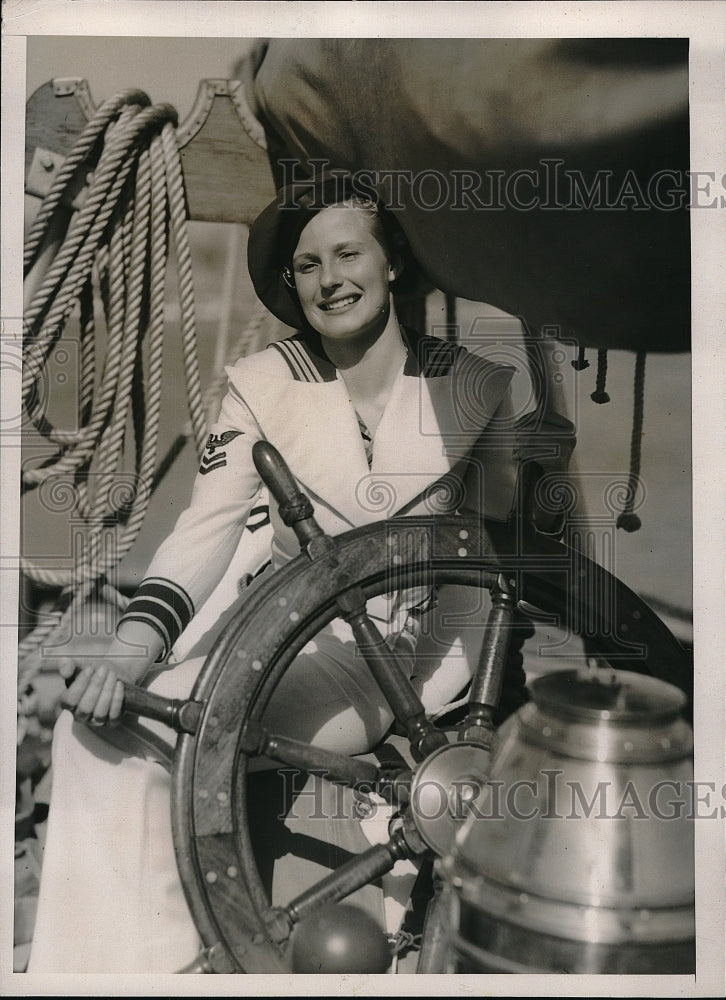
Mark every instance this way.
x=342 y=274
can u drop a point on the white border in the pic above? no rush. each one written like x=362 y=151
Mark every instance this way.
x=705 y=24
x=348 y=18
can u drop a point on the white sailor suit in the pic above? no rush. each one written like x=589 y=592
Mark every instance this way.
x=118 y=906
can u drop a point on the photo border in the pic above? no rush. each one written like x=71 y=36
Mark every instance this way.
x=703 y=23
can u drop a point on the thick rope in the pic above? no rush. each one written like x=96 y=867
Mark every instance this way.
x=250 y=340
x=82 y=153
x=629 y=520
x=121 y=234
x=56 y=619
x=253 y=338
x=66 y=608
x=133 y=211
x=177 y=219
x=71 y=266
x=600 y=395
x=88 y=354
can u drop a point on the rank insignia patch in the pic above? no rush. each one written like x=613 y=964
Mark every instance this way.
x=212 y=458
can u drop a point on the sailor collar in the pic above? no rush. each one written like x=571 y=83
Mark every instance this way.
x=427 y=357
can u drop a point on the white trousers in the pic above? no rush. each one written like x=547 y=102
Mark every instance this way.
x=110 y=896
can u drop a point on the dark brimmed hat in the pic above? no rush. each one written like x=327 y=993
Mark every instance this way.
x=275 y=233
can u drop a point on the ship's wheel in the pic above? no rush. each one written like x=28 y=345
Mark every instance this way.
x=222 y=728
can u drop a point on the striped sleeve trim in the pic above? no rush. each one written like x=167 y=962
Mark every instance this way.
x=164 y=605
x=154 y=623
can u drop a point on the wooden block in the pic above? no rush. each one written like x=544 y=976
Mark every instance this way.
x=226 y=168
x=224 y=158
x=55 y=115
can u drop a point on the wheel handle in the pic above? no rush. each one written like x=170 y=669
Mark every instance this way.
x=295 y=508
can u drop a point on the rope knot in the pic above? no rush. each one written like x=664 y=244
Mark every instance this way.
x=628 y=521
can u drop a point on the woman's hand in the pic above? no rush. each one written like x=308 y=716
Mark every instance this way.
x=96 y=690
x=96 y=693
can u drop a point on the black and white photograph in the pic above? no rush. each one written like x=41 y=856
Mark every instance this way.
x=363 y=467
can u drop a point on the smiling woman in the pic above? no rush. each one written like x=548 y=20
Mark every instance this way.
x=352 y=399
x=342 y=273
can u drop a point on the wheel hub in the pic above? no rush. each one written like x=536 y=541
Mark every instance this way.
x=444 y=789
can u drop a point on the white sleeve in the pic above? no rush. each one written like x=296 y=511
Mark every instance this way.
x=192 y=560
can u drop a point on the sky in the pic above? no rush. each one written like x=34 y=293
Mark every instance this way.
x=168 y=73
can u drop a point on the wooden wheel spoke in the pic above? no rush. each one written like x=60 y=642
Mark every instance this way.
x=478 y=726
x=180 y=715
x=354 y=874
x=297 y=512
x=337 y=767
x=217 y=854
x=391 y=677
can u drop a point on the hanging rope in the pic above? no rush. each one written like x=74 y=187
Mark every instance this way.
x=253 y=338
x=59 y=620
x=116 y=252
x=600 y=395
x=411 y=310
x=581 y=362
x=628 y=520
x=83 y=153
x=452 y=330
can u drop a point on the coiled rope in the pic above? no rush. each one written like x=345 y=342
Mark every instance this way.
x=116 y=251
